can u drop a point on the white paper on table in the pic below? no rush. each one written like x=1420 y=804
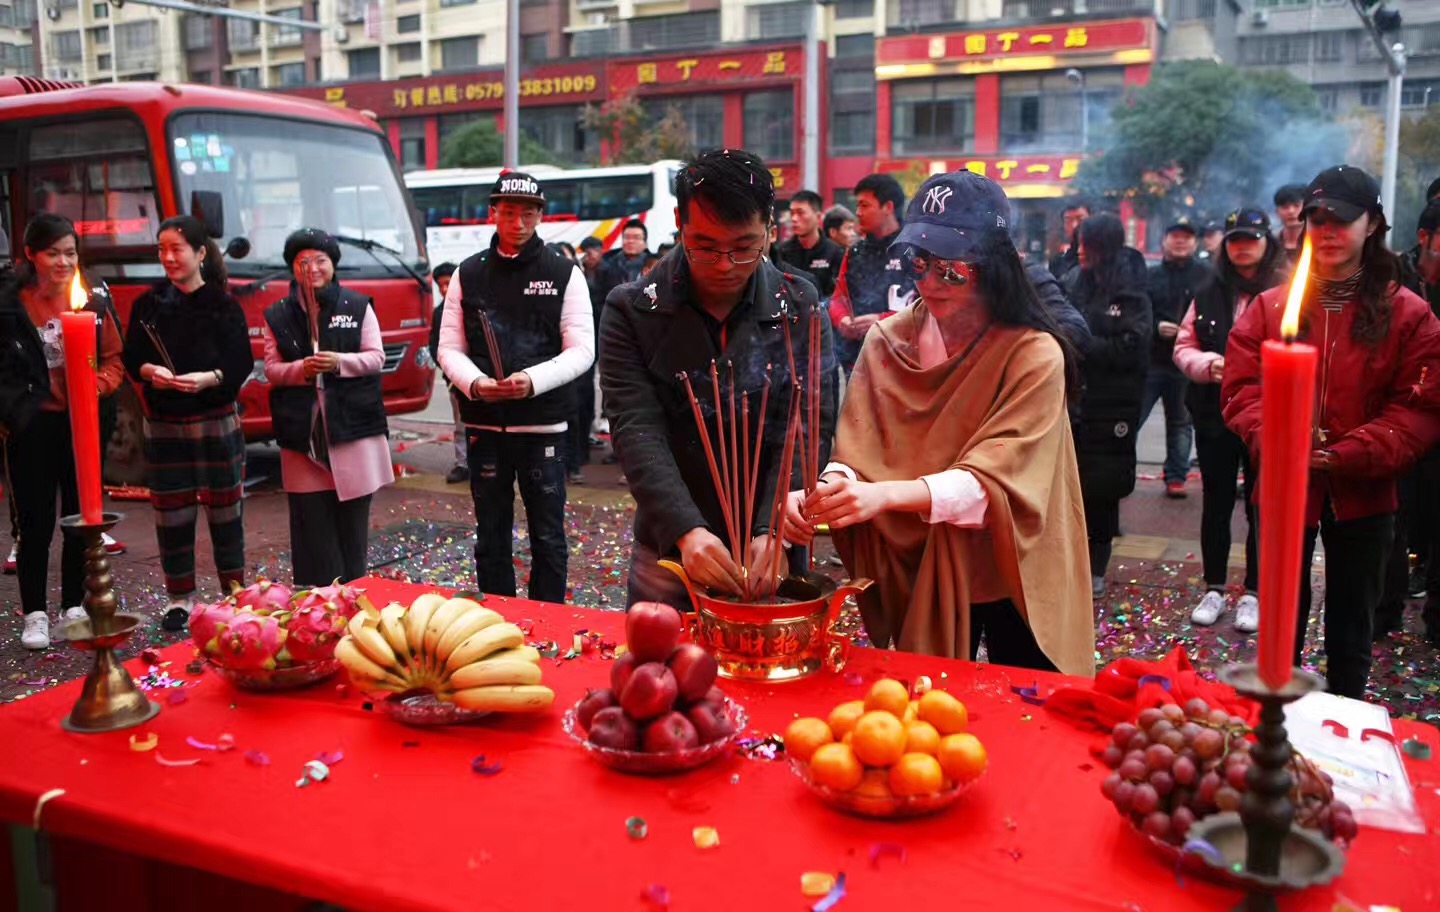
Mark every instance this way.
x=1369 y=774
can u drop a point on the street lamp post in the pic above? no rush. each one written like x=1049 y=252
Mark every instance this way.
x=512 y=83
x=1077 y=79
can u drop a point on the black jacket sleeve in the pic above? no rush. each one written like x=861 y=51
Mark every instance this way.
x=139 y=350
x=1057 y=304
x=638 y=427
x=1124 y=343
x=236 y=360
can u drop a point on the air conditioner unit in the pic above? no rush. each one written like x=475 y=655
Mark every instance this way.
x=1260 y=18
x=52 y=13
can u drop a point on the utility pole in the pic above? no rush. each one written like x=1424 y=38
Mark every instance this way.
x=1377 y=22
x=512 y=83
x=810 y=172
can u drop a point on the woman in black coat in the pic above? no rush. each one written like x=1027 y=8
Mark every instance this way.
x=1108 y=288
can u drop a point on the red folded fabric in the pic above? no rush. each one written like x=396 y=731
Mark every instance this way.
x=1126 y=686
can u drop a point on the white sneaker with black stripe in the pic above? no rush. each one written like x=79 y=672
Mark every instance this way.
x=1209 y=609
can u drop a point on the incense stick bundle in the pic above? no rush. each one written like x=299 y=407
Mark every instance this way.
x=491 y=343
x=782 y=478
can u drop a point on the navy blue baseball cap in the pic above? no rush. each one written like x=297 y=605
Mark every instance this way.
x=950 y=214
x=1248 y=222
x=1183 y=223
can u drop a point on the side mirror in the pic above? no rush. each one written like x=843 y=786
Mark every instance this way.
x=209 y=207
x=237 y=249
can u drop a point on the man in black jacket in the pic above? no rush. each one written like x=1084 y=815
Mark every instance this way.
x=624 y=264
x=873 y=284
x=712 y=300
x=1076 y=211
x=537 y=306
x=807 y=249
x=1172 y=285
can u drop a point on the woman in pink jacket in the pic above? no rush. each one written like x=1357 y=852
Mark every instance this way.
x=1249 y=262
x=323 y=357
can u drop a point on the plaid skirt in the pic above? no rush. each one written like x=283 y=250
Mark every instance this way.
x=195 y=459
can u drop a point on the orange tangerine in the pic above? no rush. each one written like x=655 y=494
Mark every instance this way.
x=843 y=717
x=874 y=784
x=912 y=712
x=962 y=757
x=879 y=738
x=943 y=711
x=834 y=766
x=888 y=695
x=920 y=738
x=803 y=736
x=916 y=774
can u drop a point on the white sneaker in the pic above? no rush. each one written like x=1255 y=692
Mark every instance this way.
x=73 y=614
x=13 y=560
x=37 y=631
x=1097 y=586
x=1209 y=609
x=1247 y=614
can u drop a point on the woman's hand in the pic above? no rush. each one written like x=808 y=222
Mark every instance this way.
x=846 y=503
x=797 y=529
x=160 y=377
x=707 y=561
x=765 y=565
x=1217 y=369
x=325 y=362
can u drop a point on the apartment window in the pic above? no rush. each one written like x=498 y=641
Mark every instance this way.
x=933 y=115
x=364 y=64
x=458 y=53
x=854 y=9
x=202 y=77
x=1189 y=10
x=852 y=132
x=408 y=53
x=778 y=20
x=1419 y=93
x=25 y=15
x=286 y=35
x=593 y=42
x=407 y=24
x=857 y=81
x=7 y=20
x=287 y=74
x=770 y=124
x=1372 y=94
x=1275 y=50
x=243 y=35
x=704 y=115
x=852 y=46
x=1421 y=40
x=1328 y=99
x=445 y=3
x=925 y=12
x=199 y=32
x=100 y=34
x=248 y=78
x=1281 y=4
x=559 y=128
x=65 y=45
x=654 y=33
x=1042 y=112
x=535 y=48
x=103 y=62
x=67 y=4
x=1329 y=46
x=412 y=143
x=99 y=11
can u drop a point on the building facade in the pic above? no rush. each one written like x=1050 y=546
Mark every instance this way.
x=17 y=38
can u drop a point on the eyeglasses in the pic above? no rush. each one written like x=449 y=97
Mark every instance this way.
x=951 y=272
x=707 y=256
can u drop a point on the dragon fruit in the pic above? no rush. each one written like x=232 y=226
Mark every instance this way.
x=312 y=632
x=206 y=622
x=249 y=641
x=262 y=597
x=336 y=597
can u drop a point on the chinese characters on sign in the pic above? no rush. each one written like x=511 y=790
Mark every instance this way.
x=1002 y=169
x=991 y=43
x=984 y=45
x=731 y=67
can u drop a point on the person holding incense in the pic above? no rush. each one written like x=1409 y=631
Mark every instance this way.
x=188 y=345
x=323 y=356
x=34 y=417
x=1377 y=406
x=715 y=323
x=953 y=483
x=516 y=332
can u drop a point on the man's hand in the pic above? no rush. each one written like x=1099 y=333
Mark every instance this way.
x=765 y=565
x=797 y=529
x=1322 y=460
x=326 y=362
x=1217 y=369
x=1167 y=330
x=845 y=503
x=517 y=386
x=707 y=561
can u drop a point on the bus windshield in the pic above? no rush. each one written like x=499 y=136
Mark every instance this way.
x=279 y=175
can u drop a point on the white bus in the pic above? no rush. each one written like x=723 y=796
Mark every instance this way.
x=455 y=203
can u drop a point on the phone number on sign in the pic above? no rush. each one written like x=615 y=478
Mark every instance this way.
x=559 y=85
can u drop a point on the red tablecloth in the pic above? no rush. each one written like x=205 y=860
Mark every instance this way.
x=404 y=823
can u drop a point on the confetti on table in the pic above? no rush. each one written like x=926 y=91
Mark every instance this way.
x=636 y=827
x=257 y=758
x=705 y=837
x=144 y=744
x=1416 y=749
x=657 y=896
x=314 y=771
x=330 y=758
x=40 y=803
x=881 y=850
x=160 y=759
x=483 y=767
x=836 y=894
x=816 y=883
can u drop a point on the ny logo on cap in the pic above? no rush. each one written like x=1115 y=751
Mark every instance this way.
x=935 y=199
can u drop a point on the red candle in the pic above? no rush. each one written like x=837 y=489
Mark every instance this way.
x=82 y=391
x=1287 y=406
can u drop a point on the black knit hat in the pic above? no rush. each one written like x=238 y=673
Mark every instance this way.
x=310 y=239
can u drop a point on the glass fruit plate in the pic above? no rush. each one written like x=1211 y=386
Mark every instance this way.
x=425 y=709
x=647 y=764
x=286 y=677
x=890 y=807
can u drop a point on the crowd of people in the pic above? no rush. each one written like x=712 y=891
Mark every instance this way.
x=978 y=416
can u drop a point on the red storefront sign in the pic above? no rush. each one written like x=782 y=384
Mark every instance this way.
x=996 y=45
x=697 y=72
x=482 y=90
x=1003 y=169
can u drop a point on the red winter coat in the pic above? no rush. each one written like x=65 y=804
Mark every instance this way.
x=1380 y=408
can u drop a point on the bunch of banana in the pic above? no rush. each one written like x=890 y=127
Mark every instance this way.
x=458 y=649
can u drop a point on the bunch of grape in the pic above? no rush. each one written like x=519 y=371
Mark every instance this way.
x=1174 y=765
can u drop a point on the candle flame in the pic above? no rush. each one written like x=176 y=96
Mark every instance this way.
x=79 y=297
x=1290 y=321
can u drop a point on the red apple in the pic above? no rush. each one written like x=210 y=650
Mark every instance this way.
x=613 y=729
x=620 y=672
x=715 y=695
x=711 y=720
x=694 y=670
x=595 y=700
x=650 y=693
x=652 y=631
x=670 y=733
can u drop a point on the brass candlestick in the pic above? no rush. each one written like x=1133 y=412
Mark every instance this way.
x=1262 y=847
x=109 y=699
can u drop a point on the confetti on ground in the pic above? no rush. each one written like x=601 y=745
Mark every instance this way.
x=657 y=896
x=636 y=827
x=314 y=771
x=160 y=759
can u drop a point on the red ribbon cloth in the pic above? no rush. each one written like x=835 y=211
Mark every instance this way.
x=1126 y=686
x=403 y=824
